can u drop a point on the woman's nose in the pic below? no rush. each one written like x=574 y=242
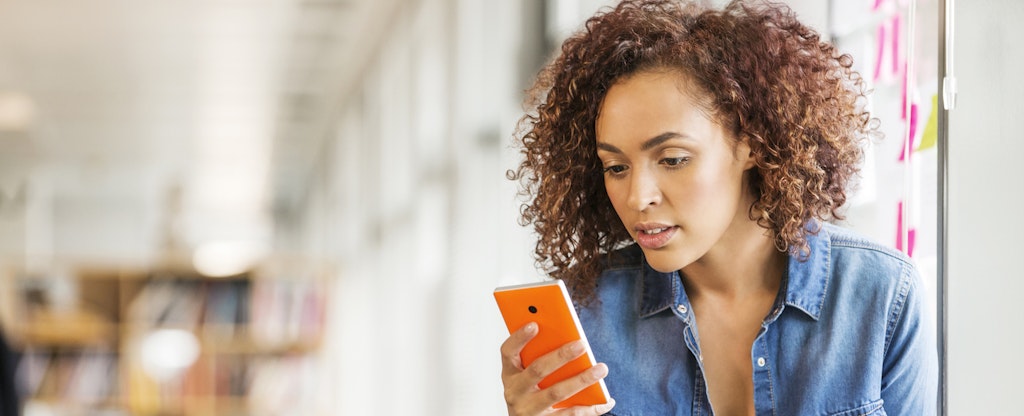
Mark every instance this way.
x=644 y=191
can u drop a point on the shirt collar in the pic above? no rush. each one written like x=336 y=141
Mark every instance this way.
x=806 y=281
x=660 y=290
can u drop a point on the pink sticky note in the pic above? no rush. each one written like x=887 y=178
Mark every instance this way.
x=899 y=225
x=912 y=127
x=911 y=233
x=879 y=53
x=904 y=86
x=895 y=39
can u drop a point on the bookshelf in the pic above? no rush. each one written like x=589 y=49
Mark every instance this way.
x=167 y=341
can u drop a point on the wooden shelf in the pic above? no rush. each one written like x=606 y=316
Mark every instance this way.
x=77 y=328
x=232 y=319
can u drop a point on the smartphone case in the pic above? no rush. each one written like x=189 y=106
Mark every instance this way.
x=548 y=304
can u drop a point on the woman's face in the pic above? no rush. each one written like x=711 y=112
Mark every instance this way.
x=675 y=177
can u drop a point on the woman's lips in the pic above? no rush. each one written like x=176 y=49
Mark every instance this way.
x=655 y=238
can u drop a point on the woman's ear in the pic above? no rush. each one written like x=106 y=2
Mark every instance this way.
x=743 y=153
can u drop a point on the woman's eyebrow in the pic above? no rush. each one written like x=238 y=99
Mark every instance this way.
x=608 y=148
x=647 y=145
x=659 y=139
x=650 y=143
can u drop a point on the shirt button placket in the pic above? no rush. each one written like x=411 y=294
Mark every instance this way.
x=763 y=400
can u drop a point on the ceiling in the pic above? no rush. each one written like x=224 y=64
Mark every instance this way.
x=155 y=122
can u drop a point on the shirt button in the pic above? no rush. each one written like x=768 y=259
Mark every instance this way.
x=760 y=362
x=681 y=308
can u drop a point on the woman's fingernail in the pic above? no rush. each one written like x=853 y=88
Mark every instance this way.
x=576 y=347
x=531 y=328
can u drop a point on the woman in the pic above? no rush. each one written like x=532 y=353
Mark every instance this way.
x=682 y=163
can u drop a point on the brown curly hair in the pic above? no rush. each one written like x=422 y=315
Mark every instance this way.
x=768 y=77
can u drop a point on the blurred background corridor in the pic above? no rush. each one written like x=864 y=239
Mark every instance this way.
x=299 y=207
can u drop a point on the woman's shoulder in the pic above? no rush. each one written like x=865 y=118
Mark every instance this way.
x=864 y=262
x=848 y=239
x=845 y=243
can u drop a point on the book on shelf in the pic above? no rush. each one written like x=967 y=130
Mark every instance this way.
x=220 y=313
x=83 y=376
x=287 y=312
x=184 y=308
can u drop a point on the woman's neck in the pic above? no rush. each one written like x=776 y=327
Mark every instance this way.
x=744 y=262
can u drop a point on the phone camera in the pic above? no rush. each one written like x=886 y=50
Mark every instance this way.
x=533 y=309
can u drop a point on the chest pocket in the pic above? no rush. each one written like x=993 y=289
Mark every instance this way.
x=871 y=409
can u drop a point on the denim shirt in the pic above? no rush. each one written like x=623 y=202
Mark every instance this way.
x=848 y=335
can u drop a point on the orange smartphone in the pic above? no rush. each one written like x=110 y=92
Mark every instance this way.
x=548 y=304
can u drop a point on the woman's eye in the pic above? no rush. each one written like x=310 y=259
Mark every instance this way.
x=675 y=161
x=615 y=169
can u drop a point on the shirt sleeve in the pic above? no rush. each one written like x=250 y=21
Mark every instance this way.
x=910 y=367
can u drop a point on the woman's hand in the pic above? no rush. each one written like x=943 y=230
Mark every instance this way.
x=525 y=398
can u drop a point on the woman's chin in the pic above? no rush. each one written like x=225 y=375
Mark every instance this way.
x=665 y=262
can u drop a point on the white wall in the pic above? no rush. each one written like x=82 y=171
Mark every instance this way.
x=986 y=277
x=413 y=203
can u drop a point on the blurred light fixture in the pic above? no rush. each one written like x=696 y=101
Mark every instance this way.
x=17 y=111
x=226 y=258
x=166 y=353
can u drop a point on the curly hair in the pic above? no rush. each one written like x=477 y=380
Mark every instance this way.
x=769 y=78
